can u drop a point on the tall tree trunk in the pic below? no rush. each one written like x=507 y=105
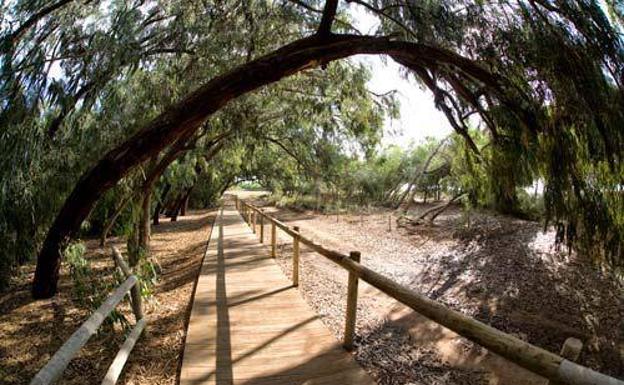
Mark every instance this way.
x=176 y=209
x=144 y=224
x=159 y=205
x=181 y=120
x=185 y=201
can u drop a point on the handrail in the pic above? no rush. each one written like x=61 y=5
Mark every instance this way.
x=53 y=370
x=530 y=357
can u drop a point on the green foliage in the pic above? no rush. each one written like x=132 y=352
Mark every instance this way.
x=83 y=78
x=89 y=291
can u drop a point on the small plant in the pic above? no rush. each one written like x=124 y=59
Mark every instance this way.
x=89 y=292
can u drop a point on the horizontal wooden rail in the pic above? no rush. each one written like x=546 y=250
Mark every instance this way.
x=57 y=364
x=112 y=375
x=530 y=357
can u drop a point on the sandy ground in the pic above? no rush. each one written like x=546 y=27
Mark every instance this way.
x=503 y=271
x=33 y=330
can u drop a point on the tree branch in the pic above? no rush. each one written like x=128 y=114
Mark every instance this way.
x=329 y=13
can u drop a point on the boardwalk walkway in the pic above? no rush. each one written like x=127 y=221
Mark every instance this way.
x=250 y=326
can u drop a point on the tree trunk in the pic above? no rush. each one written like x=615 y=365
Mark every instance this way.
x=176 y=210
x=437 y=210
x=185 y=200
x=179 y=122
x=159 y=205
x=416 y=179
x=184 y=206
x=144 y=224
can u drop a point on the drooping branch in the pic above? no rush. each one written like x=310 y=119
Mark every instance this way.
x=383 y=14
x=34 y=19
x=320 y=11
x=290 y=153
x=440 y=96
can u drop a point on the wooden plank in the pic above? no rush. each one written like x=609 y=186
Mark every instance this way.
x=112 y=375
x=248 y=323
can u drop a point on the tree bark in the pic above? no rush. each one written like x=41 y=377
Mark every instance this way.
x=144 y=224
x=179 y=121
x=159 y=205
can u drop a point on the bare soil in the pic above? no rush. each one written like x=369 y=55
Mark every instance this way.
x=32 y=331
x=500 y=270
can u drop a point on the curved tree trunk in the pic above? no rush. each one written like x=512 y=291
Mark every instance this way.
x=179 y=122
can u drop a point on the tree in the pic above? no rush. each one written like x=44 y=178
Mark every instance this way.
x=545 y=77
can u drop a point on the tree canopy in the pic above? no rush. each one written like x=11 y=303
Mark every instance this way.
x=102 y=100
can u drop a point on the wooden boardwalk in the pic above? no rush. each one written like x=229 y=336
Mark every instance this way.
x=249 y=325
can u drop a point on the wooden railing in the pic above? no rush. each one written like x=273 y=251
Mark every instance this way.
x=557 y=369
x=53 y=370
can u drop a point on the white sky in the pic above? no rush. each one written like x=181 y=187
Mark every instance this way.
x=419 y=117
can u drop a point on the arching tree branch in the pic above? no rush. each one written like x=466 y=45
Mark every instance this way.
x=182 y=119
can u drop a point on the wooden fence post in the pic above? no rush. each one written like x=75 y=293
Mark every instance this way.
x=135 y=292
x=352 y=292
x=262 y=226
x=571 y=350
x=253 y=221
x=273 y=240
x=295 y=262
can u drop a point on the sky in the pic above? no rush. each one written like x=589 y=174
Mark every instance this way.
x=419 y=117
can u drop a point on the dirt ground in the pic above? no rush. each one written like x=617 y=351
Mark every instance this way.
x=31 y=331
x=500 y=270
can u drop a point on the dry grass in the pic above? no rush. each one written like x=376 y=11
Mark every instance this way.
x=33 y=330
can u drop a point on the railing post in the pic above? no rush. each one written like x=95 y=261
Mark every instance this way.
x=295 y=262
x=352 y=293
x=135 y=292
x=571 y=350
x=253 y=221
x=273 y=240
x=261 y=226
